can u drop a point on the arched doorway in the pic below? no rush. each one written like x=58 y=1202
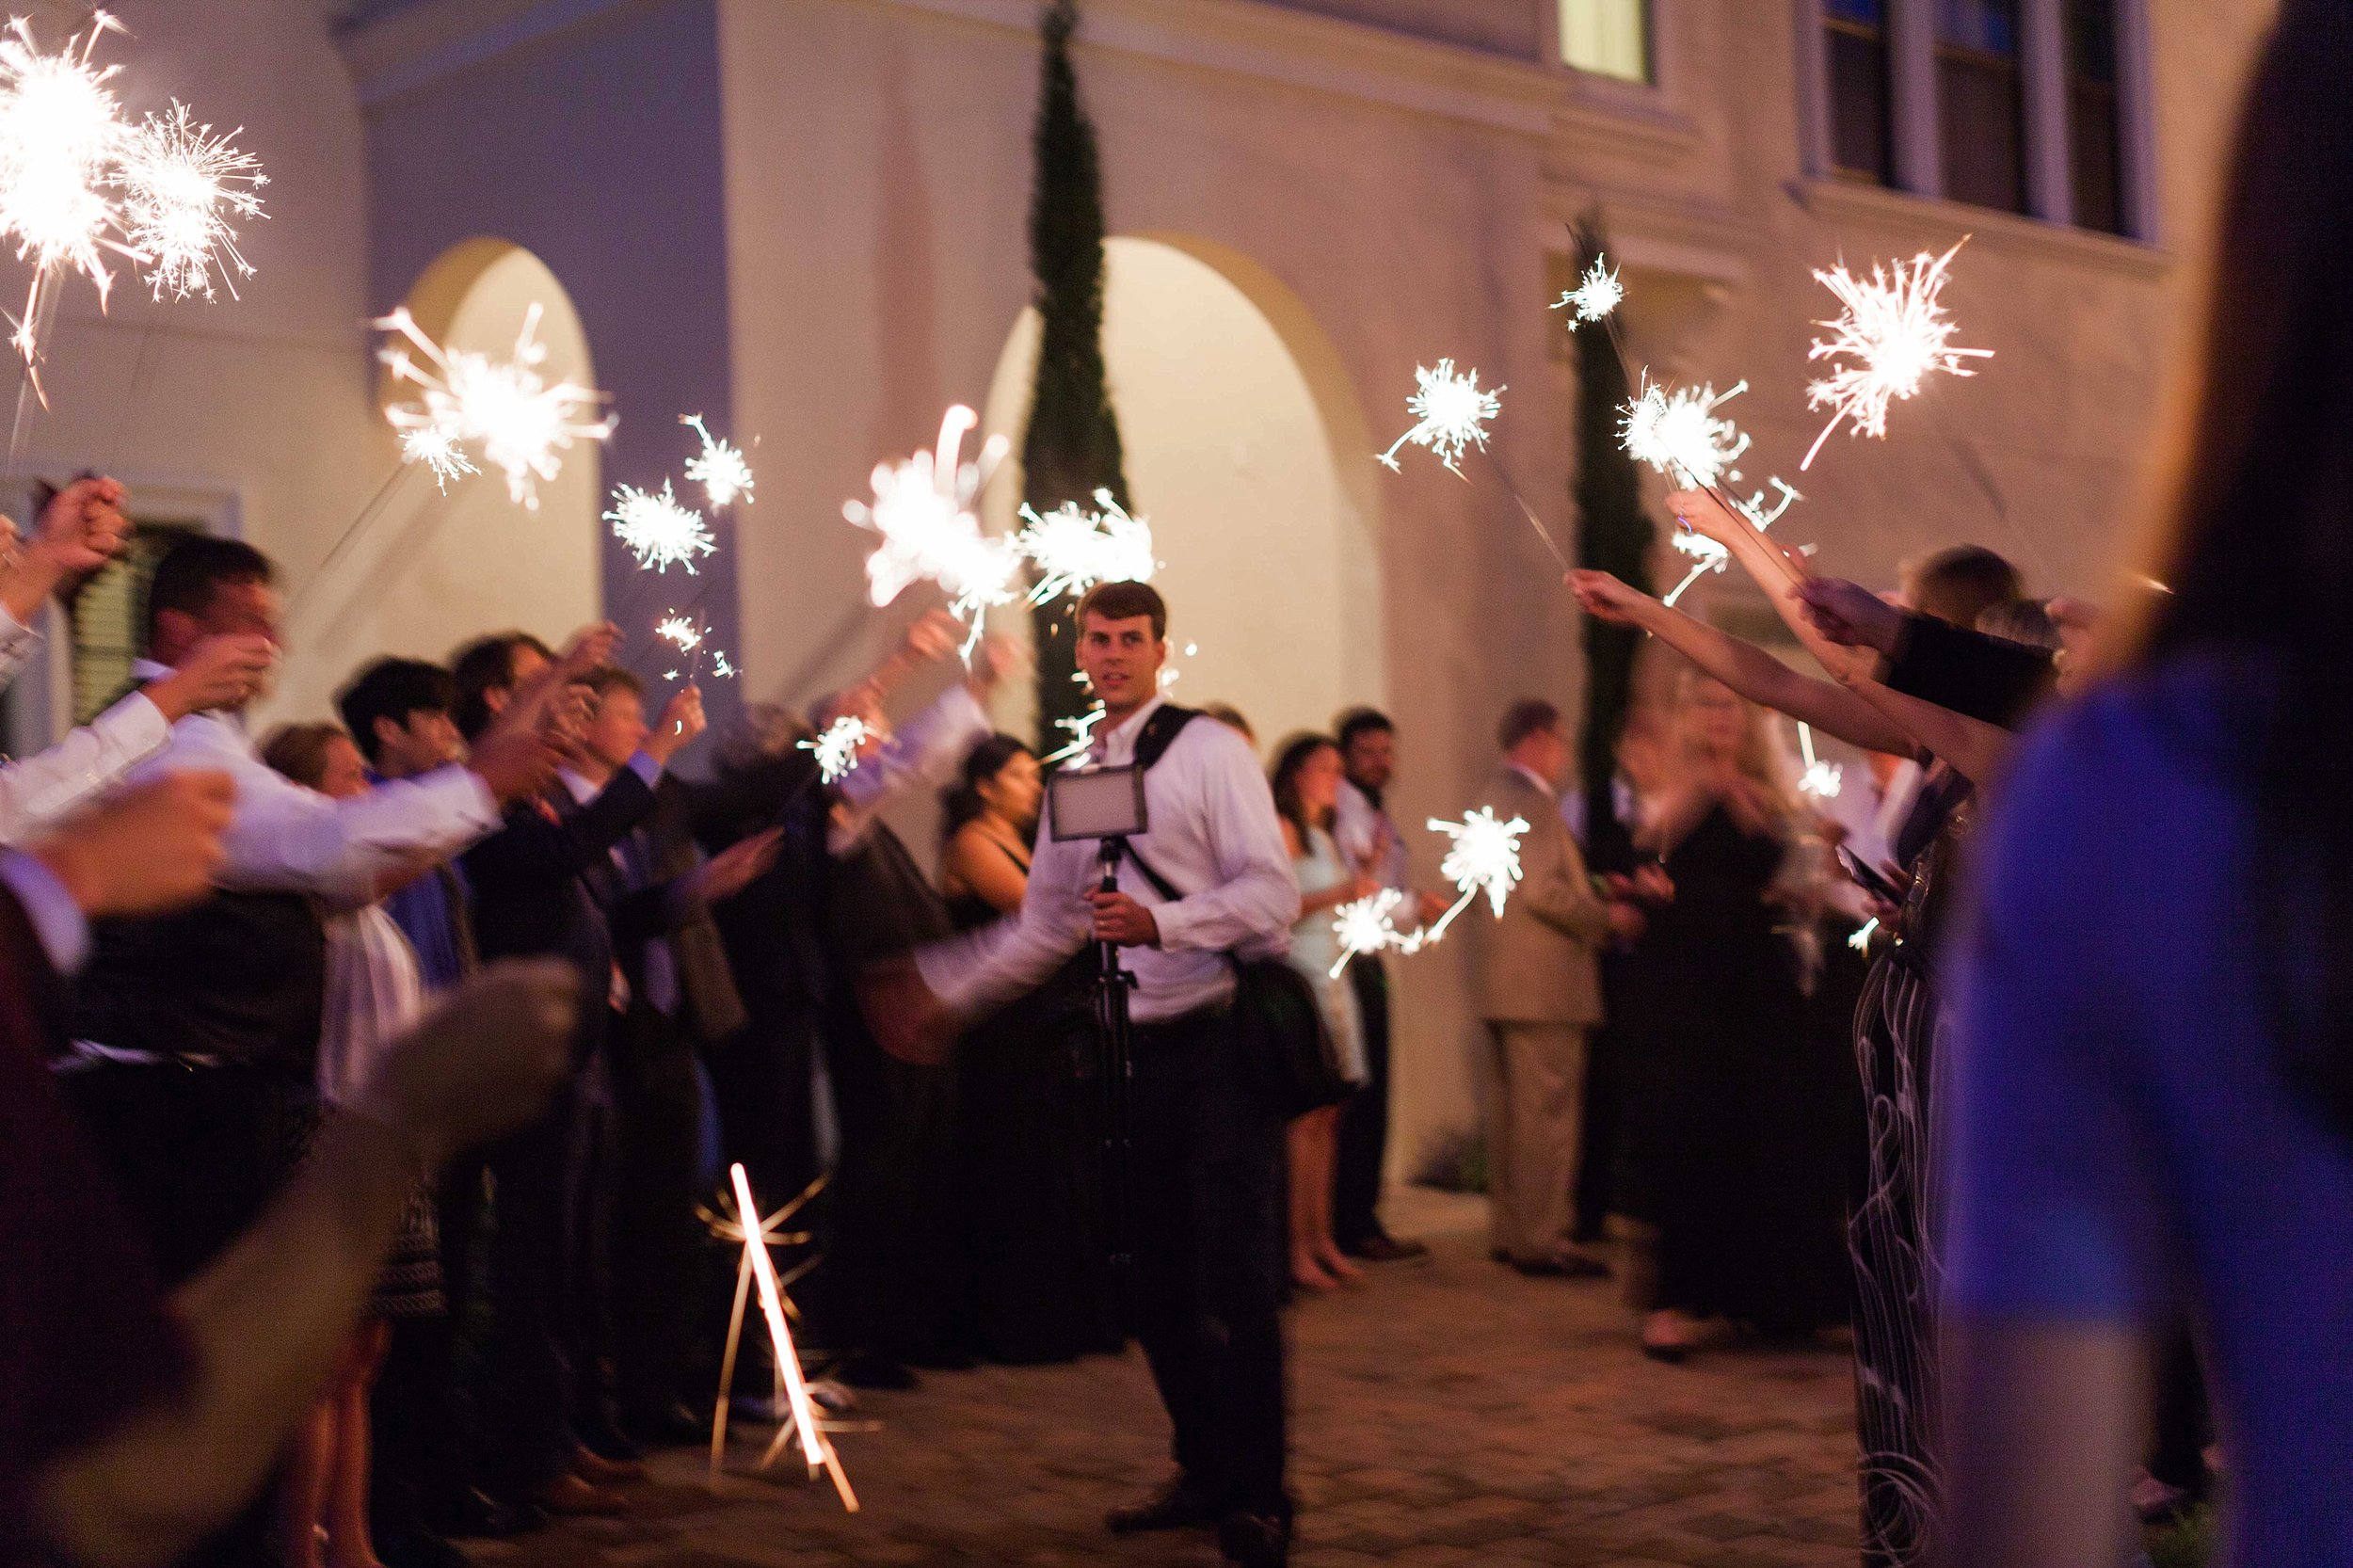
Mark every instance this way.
x=434 y=569
x=1246 y=448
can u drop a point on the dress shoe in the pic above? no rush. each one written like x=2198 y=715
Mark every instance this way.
x=1383 y=1248
x=868 y=1371
x=1176 y=1506
x=568 y=1496
x=1567 y=1265
x=478 y=1514
x=1255 y=1540
x=597 y=1470
x=670 y=1427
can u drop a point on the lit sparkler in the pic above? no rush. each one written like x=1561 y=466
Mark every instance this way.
x=653 y=527
x=692 y=638
x=923 y=510
x=815 y=1447
x=1861 y=940
x=437 y=449
x=1822 y=779
x=1596 y=295
x=61 y=130
x=1074 y=550
x=720 y=469
x=837 y=749
x=1484 y=857
x=521 y=422
x=184 y=189
x=1896 y=333
x=1679 y=434
x=1367 y=926
x=1451 y=415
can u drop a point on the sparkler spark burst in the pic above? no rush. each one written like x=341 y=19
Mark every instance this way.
x=837 y=749
x=183 y=186
x=923 y=510
x=1861 y=940
x=679 y=633
x=1679 y=434
x=1822 y=780
x=522 y=423
x=1074 y=550
x=435 y=448
x=1451 y=415
x=61 y=130
x=1896 y=333
x=1367 y=926
x=720 y=469
x=1596 y=295
x=1484 y=857
x=657 y=530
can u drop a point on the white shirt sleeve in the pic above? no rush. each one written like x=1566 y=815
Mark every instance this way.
x=284 y=837
x=927 y=749
x=1255 y=899
x=49 y=784
x=990 y=967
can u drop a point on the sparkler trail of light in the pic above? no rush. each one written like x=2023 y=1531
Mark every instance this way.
x=726 y=1225
x=923 y=510
x=720 y=469
x=1679 y=434
x=1596 y=296
x=184 y=189
x=1484 y=857
x=1073 y=549
x=61 y=130
x=815 y=1447
x=1893 y=333
x=1081 y=732
x=1450 y=414
x=659 y=532
x=431 y=445
x=1861 y=940
x=1367 y=926
x=837 y=750
x=522 y=422
x=1822 y=779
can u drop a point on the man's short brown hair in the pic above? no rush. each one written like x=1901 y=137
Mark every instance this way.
x=1530 y=715
x=1126 y=601
x=607 y=680
x=1961 y=582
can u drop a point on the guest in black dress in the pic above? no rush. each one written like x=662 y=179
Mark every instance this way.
x=1025 y=1156
x=1746 y=1216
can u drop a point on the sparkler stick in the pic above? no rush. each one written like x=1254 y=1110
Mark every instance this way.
x=1526 y=510
x=815 y=1449
x=1896 y=333
x=1484 y=857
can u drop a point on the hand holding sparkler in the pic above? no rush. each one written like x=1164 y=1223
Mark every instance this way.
x=1708 y=514
x=80 y=530
x=1852 y=615
x=681 y=720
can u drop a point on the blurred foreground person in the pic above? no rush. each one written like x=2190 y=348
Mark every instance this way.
x=2152 y=1106
x=132 y=1423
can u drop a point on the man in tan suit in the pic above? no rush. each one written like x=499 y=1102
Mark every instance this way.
x=1539 y=994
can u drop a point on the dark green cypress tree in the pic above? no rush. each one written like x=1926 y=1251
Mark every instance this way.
x=1072 y=448
x=1613 y=533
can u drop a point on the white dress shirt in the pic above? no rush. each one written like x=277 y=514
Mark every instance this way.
x=283 y=838
x=57 y=920
x=40 y=789
x=925 y=752
x=1368 y=838
x=1214 y=836
x=18 y=641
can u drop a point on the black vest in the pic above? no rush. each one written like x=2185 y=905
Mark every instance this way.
x=241 y=978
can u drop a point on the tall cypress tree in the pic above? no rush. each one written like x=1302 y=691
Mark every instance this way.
x=1613 y=533
x=1072 y=448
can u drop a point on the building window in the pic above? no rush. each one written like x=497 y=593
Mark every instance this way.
x=1862 y=139
x=2095 y=138
x=1980 y=102
x=1607 y=37
x=110 y=618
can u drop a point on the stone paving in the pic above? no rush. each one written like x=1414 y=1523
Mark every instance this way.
x=1447 y=1413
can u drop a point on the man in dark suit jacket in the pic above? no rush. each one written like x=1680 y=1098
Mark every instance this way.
x=532 y=898
x=676 y=997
